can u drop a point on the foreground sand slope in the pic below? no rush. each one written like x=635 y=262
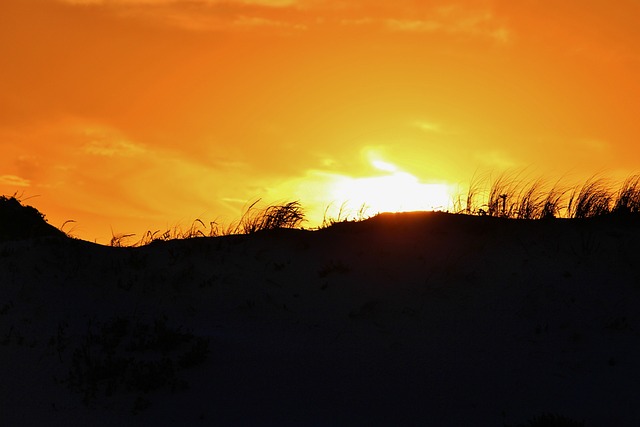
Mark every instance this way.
x=403 y=319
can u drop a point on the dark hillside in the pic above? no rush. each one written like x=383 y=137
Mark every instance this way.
x=18 y=222
x=403 y=319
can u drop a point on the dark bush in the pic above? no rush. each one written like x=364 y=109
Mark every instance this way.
x=18 y=222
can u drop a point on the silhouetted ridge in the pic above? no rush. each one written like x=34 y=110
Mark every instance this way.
x=18 y=222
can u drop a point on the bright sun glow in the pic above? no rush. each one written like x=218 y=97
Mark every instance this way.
x=384 y=166
x=396 y=191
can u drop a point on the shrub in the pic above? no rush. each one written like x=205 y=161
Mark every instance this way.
x=125 y=356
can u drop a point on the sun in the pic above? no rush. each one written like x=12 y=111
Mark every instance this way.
x=393 y=191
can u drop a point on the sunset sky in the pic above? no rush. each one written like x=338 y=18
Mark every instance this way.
x=136 y=115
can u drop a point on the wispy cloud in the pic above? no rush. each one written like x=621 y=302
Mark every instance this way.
x=266 y=3
x=187 y=20
x=256 y=21
x=112 y=148
x=413 y=25
x=427 y=126
x=205 y=15
x=14 y=181
x=497 y=159
x=108 y=143
x=455 y=20
x=451 y=19
x=215 y=15
x=270 y=3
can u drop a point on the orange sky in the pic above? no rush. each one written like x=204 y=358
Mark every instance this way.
x=135 y=115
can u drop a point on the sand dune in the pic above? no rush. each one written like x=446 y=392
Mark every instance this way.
x=403 y=319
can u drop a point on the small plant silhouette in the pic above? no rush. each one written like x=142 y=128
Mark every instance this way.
x=121 y=356
x=288 y=215
x=510 y=196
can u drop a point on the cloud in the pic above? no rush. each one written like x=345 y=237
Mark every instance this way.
x=184 y=19
x=455 y=20
x=265 y=3
x=271 y=3
x=403 y=17
x=428 y=126
x=452 y=20
x=112 y=148
x=108 y=143
x=255 y=21
x=498 y=159
x=204 y=15
x=413 y=25
x=14 y=181
x=502 y=35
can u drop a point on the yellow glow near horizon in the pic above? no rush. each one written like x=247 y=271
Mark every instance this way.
x=384 y=166
x=396 y=191
x=128 y=115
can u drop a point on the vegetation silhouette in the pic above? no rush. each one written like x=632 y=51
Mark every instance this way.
x=458 y=260
x=507 y=196
x=511 y=196
x=18 y=221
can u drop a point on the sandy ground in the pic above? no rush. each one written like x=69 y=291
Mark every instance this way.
x=404 y=319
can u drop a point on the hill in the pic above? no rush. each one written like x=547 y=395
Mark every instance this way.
x=403 y=319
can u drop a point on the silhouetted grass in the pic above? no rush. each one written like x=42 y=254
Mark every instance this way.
x=628 y=197
x=288 y=215
x=553 y=202
x=254 y=219
x=471 y=207
x=502 y=196
x=531 y=201
x=592 y=199
x=509 y=196
x=344 y=215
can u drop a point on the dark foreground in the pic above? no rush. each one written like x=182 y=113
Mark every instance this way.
x=408 y=319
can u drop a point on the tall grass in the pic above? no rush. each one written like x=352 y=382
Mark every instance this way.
x=553 y=202
x=592 y=199
x=501 y=196
x=288 y=215
x=254 y=219
x=470 y=205
x=506 y=196
x=510 y=196
x=344 y=214
x=628 y=197
x=532 y=201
